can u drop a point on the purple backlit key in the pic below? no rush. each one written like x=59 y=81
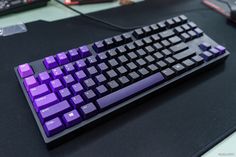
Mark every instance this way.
x=77 y=101
x=44 y=77
x=53 y=127
x=25 y=70
x=68 y=80
x=88 y=110
x=71 y=118
x=50 y=62
x=62 y=58
x=80 y=75
x=69 y=68
x=30 y=82
x=221 y=49
x=55 y=85
x=73 y=55
x=57 y=73
x=54 y=111
x=84 y=51
x=77 y=88
x=64 y=94
x=45 y=101
x=38 y=91
x=80 y=64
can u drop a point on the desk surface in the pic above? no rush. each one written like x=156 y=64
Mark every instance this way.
x=56 y=11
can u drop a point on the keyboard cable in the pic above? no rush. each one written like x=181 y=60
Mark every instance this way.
x=114 y=26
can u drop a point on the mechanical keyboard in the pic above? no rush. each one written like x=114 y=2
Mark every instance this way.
x=73 y=89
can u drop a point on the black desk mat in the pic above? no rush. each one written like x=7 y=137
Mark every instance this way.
x=180 y=122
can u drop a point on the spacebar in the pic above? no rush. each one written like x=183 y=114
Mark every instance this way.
x=129 y=91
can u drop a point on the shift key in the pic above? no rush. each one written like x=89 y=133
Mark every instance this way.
x=38 y=91
x=54 y=111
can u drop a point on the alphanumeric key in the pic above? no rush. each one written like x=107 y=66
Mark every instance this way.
x=165 y=43
x=170 y=23
x=127 y=37
x=132 y=56
x=149 y=49
x=139 y=43
x=168 y=73
x=138 y=33
x=158 y=46
x=161 y=65
x=122 y=59
x=91 y=60
x=109 y=43
x=166 y=52
x=155 y=38
x=143 y=72
x=192 y=25
x=101 y=90
x=192 y=34
x=177 y=20
x=111 y=74
x=178 y=68
x=111 y=53
x=174 y=40
x=141 y=53
x=89 y=96
x=102 y=67
x=131 y=66
x=178 y=30
x=152 y=68
x=121 y=50
x=158 y=56
x=133 y=76
x=118 y=39
x=147 y=40
x=147 y=30
x=140 y=62
x=149 y=59
x=112 y=85
x=89 y=83
x=123 y=81
x=199 y=32
x=188 y=63
x=101 y=57
x=122 y=70
x=186 y=27
x=92 y=71
x=198 y=59
x=113 y=63
x=130 y=47
x=185 y=37
x=183 y=18
x=99 y=79
x=154 y=28
x=170 y=61
x=161 y=25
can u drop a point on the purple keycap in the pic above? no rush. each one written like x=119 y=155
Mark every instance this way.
x=50 y=62
x=89 y=95
x=30 y=82
x=127 y=92
x=80 y=64
x=221 y=49
x=54 y=111
x=73 y=55
x=57 y=73
x=44 y=77
x=207 y=55
x=215 y=51
x=64 y=94
x=68 y=80
x=69 y=68
x=88 y=110
x=25 y=70
x=101 y=90
x=45 y=101
x=205 y=46
x=89 y=83
x=77 y=101
x=84 y=51
x=38 y=91
x=77 y=88
x=62 y=58
x=55 y=85
x=53 y=127
x=80 y=75
x=71 y=118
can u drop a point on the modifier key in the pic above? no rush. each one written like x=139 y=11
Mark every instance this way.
x=129 y=91
x=184 y=55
